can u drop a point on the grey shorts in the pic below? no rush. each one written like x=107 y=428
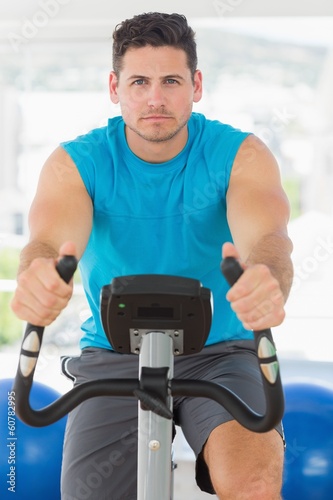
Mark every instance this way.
x=100 y=449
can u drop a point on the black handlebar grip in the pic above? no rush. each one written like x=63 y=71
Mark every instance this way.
x=33 y=335
x=66 y=267
x=231 y=269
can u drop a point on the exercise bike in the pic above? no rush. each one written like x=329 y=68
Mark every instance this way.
x=155 y=317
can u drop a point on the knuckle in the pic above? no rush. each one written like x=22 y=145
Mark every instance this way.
x=273 y=287
x=281 y=316
x=52 y=284
x=37 y=263
x=23 y=279
x=240 y=307
x=14 y=305
x=45 y=316
x=263 y=270
x=49 y=302
x=17 y=300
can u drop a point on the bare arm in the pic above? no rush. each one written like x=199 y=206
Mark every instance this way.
x=61 y=212
x=258 y=214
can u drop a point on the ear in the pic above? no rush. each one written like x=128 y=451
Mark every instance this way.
x=113 y=85
x=197 y=86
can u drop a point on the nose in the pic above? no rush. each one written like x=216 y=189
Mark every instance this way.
x=156 y=96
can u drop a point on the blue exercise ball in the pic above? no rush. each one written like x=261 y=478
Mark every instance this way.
x=308 y=425
x=30 y=457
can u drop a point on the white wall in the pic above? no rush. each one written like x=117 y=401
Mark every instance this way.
x=87 y=18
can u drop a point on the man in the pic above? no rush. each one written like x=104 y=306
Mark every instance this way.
x=163 y=190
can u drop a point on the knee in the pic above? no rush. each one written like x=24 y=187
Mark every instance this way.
x=249 y=488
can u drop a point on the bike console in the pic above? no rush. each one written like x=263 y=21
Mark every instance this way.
x=132 y=306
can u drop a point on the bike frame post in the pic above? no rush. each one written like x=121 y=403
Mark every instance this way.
x=154 y=431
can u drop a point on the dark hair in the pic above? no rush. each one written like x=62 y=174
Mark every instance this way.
x=158 y=30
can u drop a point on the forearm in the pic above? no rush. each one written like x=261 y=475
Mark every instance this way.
x=33 y=250
x=274 y=250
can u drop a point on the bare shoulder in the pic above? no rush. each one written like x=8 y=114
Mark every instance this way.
x=60 y=169
x=255 y=159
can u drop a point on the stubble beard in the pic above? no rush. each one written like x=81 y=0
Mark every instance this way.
x=158 y=134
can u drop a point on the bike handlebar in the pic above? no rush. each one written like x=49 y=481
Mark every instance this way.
x=253 y=421
x=269 y=366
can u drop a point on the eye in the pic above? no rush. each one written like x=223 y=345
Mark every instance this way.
x=139 y=81
x=171 y=81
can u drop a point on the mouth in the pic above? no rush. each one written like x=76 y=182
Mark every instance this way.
x=156 y=117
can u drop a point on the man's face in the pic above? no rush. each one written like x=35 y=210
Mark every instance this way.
x=156 y=92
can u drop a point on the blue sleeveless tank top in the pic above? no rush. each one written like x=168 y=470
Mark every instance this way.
x=167 y=218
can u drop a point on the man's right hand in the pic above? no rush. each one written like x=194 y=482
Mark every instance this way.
x=41 y=294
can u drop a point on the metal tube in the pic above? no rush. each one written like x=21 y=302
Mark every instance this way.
x=155 y=432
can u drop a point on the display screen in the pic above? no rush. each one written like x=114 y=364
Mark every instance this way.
x=155 y=312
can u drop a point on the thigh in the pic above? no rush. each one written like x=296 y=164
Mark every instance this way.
x=100 y=447
x=235 y=365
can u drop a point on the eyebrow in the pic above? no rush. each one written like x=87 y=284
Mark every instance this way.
x=165 y=77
